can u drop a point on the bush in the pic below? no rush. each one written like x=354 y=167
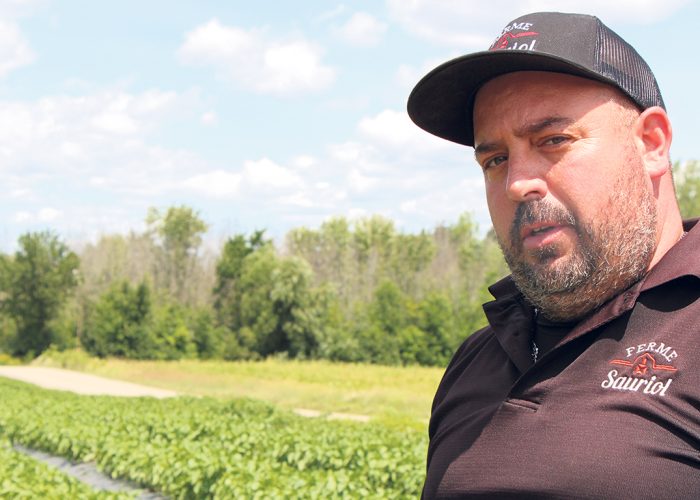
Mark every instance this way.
x=117 y=325
x=172 y=336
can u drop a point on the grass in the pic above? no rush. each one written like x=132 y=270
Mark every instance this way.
x=396 y=396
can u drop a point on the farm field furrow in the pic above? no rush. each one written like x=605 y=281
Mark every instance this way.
x=24 y=477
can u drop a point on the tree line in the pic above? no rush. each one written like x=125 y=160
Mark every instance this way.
x=359 y=291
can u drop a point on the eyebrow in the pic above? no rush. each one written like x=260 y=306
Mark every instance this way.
x=526 y=129
x=540 y=125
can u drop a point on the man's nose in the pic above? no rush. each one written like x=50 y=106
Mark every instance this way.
x=525 y=178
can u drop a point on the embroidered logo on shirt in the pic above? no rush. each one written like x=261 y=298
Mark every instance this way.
x=647 y=369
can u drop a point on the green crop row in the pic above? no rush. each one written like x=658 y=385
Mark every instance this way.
x=204 y=448
x=23 y=477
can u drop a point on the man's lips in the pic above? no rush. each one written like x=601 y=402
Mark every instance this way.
x=541 y=233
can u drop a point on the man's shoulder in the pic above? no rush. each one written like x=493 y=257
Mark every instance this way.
x=680 y=261
x=472 y=347
x=474 y=342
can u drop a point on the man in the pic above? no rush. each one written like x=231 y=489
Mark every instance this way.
x=586 y=383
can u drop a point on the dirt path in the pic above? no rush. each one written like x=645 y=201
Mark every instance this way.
x=81 y=383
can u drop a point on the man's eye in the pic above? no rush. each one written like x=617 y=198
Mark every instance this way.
x=494 y=162
x=553 y=141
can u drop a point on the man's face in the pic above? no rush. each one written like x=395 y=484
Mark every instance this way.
x=568 y=194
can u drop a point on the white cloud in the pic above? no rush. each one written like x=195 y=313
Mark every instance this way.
x=116 y=123
x=390 y=127
x=357 y=213
x=14 y=49
x=18 y=8
x=48 y=214
x=362 y=30
x=449 y=22
x=95 y=141
x=395 y=129
x=255 y=61
x=407 y=75
x=331 y=14
x=299 y=199
x=22 y=216
x=348 y=152
x=304 y=162
x=209 y=118
x=265 y=173
x=360 y=182
x=60 y=127
x=470 y=26
x=219 y=184
x=21 y=194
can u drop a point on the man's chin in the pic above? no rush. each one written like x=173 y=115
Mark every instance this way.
x=550 y=275
x=547 y=262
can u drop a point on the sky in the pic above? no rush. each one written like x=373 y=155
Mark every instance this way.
x=264 y=115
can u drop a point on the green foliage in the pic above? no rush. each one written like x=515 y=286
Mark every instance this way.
x=71 y=359
x=6 y=359
x=171 y=333
x=229 y=268
x=278 y=305
x=688 y=188
x=399 y=298
x=117 y=323
x=201 y=448
x=65 y=326
x=209 y=339
x=179 y=231
x=125 y=322
x=441 y=337
x=361 y=291
x=8 y=332
x=37 y=282
x=388 y=310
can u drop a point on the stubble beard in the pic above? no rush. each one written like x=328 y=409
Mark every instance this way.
x=612 y=252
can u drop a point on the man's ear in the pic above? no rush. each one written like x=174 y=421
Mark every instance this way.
x=653 y=135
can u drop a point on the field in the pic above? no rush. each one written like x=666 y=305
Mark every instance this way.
x=228 y=441
x=395 y=396
x=209 y=448
x=24 y=477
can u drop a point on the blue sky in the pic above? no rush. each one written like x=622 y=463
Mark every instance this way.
x=267 y=115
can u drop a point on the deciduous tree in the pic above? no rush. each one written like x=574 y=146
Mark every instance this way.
x=688 y=188
x=179 y=232
x=37 y=281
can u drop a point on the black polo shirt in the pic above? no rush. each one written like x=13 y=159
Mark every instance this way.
x=612 y=411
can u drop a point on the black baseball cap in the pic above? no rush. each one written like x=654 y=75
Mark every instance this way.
x=443 y=101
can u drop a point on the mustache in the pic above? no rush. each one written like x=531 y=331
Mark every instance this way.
x=537 y=211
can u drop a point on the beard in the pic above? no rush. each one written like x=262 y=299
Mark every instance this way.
x=611 y=252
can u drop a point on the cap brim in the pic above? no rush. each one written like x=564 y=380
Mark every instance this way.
x=443 y=100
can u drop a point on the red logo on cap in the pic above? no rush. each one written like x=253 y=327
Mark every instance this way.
x=505 y=39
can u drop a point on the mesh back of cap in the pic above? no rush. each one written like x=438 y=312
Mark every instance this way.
x=618 y=61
